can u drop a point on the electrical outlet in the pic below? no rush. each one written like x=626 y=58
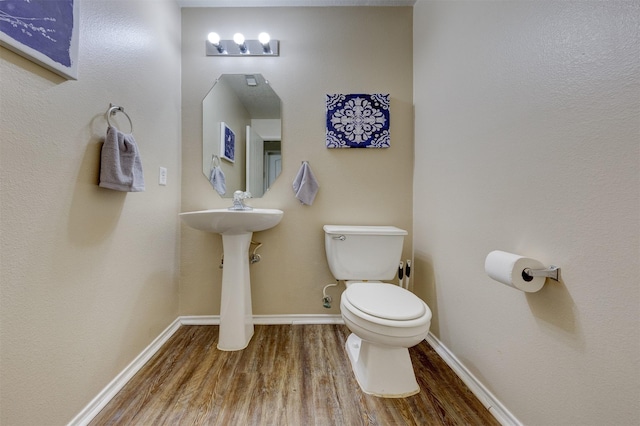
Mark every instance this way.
x=162 y=177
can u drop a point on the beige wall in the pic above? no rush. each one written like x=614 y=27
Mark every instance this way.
x=527 y=140
x=322 y=50
x=89 y=275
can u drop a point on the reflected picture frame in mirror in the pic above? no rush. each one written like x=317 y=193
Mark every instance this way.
x=227 y=143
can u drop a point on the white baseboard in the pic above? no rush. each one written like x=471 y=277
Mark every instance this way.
x=267 y=319
x=297 y=319
x=102 y=399
x=495 y=407
x=199 y=320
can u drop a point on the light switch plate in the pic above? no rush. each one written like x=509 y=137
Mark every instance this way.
x=162 y=177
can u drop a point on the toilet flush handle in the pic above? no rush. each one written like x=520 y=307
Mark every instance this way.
x=339 y=237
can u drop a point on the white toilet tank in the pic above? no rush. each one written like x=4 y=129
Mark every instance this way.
x=363 y=252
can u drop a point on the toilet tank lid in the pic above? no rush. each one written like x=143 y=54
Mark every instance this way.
x=363 y=230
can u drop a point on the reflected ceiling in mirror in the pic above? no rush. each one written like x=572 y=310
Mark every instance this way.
x=241 y=135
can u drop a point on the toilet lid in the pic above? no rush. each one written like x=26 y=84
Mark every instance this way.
x=385 y=301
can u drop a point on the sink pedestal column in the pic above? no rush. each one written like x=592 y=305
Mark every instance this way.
x=236 y=316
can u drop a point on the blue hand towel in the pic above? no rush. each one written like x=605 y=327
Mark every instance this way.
x=120 y=165
x=218 y=180
x=305 y=185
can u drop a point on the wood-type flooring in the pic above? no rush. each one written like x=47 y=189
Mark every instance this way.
x=289 y=375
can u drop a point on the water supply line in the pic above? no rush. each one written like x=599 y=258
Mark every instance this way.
x=255 y=257
x=326 y=299
x=407 y=273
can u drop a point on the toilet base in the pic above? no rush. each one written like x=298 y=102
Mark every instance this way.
x=382 y=371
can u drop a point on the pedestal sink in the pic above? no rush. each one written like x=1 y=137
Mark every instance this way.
x=236 y=228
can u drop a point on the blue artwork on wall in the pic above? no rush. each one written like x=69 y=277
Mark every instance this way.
x=44 y=31
x=358 y=121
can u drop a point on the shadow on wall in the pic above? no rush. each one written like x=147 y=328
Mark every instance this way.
x=94 y=211
x=31 y=67
x=554 y=308
x=424 y=286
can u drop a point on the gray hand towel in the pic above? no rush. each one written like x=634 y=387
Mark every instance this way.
x=305 y=185
x=120 y=165
x=218 y=180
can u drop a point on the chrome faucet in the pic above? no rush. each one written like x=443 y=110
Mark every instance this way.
x=238 y=201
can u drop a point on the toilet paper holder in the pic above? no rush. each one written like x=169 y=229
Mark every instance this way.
x=552 y=272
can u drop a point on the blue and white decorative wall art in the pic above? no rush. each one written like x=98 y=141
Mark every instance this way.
x=227 y=143
x=358 y=121
x=43 y=31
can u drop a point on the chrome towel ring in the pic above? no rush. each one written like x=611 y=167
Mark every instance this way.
x=113 y=109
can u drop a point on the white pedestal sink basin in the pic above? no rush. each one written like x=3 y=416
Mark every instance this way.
x=236 y=228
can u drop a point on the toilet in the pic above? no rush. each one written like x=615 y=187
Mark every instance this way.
x=384 y=319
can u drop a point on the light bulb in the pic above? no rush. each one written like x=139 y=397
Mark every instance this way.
x=238 y=38
x=264 y=38
x=214 y=38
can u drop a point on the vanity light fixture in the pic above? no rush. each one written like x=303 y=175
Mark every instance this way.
x=238 y=39
x=264 y=39
x=239 y=46
x=214 y=39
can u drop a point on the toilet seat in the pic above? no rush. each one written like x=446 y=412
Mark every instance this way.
x=385 y=301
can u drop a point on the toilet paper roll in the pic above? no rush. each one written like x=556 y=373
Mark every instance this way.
x=508 y=268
